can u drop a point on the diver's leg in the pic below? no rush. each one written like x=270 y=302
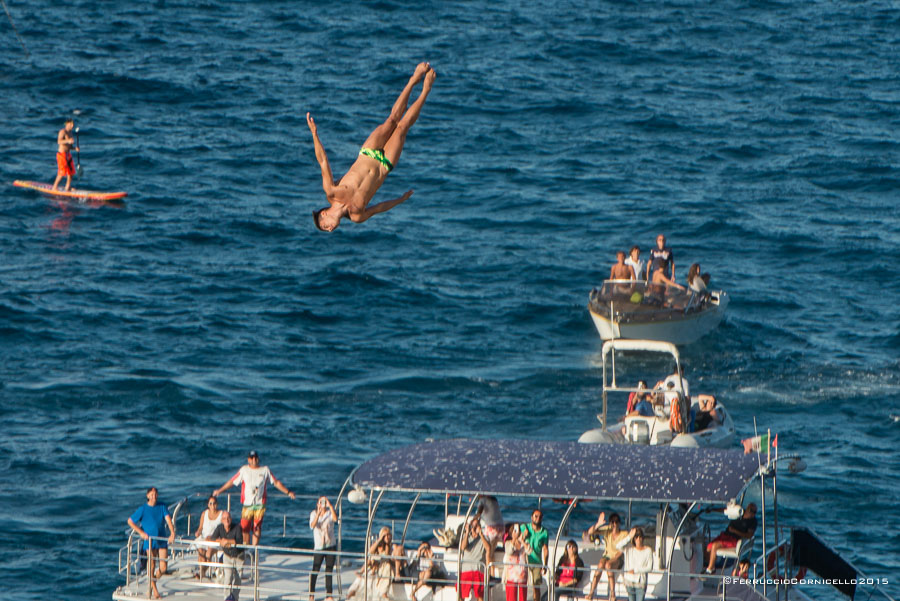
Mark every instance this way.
x=394 y=145
x=378 y=138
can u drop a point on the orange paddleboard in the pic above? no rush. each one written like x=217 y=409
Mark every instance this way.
x=71 y=194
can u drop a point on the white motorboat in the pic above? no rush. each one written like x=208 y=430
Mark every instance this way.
x=659 y=429
x=638 y=310
x=664 y=490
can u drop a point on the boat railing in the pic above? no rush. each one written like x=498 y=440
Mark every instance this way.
x=293 y=523
x=263 y=577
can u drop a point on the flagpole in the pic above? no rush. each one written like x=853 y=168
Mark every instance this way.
x=775 y=506
x=762 y=495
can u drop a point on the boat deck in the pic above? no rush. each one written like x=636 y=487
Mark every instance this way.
x=285 y=577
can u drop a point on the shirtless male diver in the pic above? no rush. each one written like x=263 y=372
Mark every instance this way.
x=64 y=165
x=350 y=196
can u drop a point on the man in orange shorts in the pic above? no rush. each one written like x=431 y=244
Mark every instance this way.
x=253 y=480
x=64 y=165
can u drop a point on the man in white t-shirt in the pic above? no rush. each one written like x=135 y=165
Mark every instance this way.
x=679 y=382
x=253 y=480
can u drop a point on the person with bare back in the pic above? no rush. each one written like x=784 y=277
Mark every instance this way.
x=350 y=196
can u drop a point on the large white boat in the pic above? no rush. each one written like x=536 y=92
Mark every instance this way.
x=639 y=310
x=660 y=428
x=410 y=490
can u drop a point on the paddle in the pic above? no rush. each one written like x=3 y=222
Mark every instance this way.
x=78 y=170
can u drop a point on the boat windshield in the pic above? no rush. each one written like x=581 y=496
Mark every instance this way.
x=630 y=300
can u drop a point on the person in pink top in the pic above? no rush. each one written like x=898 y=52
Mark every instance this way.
x=253 y=480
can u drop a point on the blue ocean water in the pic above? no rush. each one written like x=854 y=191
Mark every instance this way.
x=154 y=344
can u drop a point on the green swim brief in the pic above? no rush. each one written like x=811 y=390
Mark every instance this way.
x=378 y=155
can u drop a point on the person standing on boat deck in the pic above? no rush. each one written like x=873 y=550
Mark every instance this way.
x=253 y=480
x=740 y=529
x=350 y=196
x=209 y=519
x=634 y=261
x=515 y=572
x=64 y=165
x=537 y=537
x=321 y=522
x=661 y=254
x=148 y=522
x=228 y=535
x=638 y=562
x=621 y=271
x=472 y=547
x=611 y=534
x=489 y=512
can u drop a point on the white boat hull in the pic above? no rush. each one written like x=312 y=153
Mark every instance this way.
x=616 y=317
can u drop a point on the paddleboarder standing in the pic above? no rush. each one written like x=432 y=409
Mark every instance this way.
x=350 y=196
x=64 y=164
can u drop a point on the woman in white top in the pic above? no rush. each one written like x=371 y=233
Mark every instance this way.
x=696 y=281
x=209 y=519
x=321 y=522
x=638 y=561
x=515 y=568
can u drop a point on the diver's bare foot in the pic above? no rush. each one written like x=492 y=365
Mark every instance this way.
x=429 y=79
x=421 y=70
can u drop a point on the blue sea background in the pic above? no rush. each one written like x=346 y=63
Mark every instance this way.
x=154 y=344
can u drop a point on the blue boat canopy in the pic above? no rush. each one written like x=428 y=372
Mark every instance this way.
x=558 y=469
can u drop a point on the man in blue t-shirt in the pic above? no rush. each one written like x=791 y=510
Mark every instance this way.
x=148 y=522
x=661 y=254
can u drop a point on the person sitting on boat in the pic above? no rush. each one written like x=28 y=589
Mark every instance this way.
x=381 y=568
x=472 y=546
x=707 y=415
x=427 y=569
x=636 y=396
x=515 y=565
x=643 y=408
x=740 y=529
x=697 y=281
x=661 y=255
x=638 y=562
x=613 y=557
x=742 y=569
x=209 y=519
x=634 y=261
x=569 y=572
x=661 y=284
x=621 y=271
